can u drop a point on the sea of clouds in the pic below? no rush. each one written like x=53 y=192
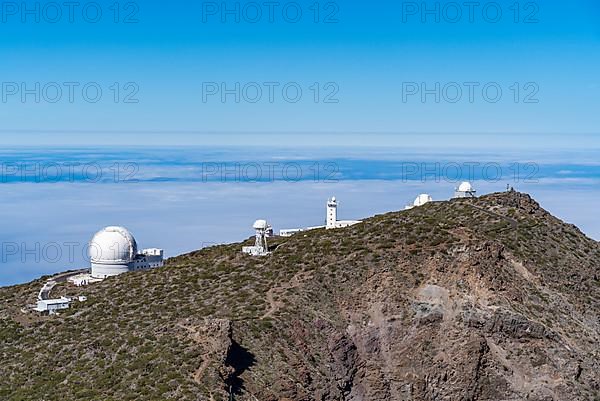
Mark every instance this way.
x=183 y=199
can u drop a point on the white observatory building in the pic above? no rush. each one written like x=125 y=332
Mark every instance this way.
x=113 y=251
x=261 y=247
x=420 y=201
x=465 y=190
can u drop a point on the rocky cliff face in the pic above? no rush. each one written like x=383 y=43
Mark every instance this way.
x=475 y=299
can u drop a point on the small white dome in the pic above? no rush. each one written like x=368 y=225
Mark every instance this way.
x=260 y=225
x=465 y=187
x=422 y=199
x=113 y=244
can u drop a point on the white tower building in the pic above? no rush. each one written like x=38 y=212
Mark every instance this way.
x=332 y=217
x=331 y=213
x=465 y=190
x=261 y=227
x=261 y=247
x=331 y=221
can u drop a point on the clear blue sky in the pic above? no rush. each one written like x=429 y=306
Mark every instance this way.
x=369 y=53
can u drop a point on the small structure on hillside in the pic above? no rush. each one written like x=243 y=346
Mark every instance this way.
x=465 y=190
x=261 y=247
x=420 y=201
x=52 y=305
x=288 y=232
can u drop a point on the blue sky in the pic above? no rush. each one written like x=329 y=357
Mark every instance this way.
x=369 y=55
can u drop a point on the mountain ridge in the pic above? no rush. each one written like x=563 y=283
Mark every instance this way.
x=490 y=298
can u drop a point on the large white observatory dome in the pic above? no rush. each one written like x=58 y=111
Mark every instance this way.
x=113 y=245
x=465 y=187
x=422 y=199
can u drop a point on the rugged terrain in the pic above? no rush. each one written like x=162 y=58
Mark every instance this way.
x=477 y=299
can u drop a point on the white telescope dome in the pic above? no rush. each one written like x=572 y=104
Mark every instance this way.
x=260 y=225
x=465 y=187
x=422 y=199
x=113 y=244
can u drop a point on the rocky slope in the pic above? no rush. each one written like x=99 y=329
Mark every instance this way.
x=480 y=299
